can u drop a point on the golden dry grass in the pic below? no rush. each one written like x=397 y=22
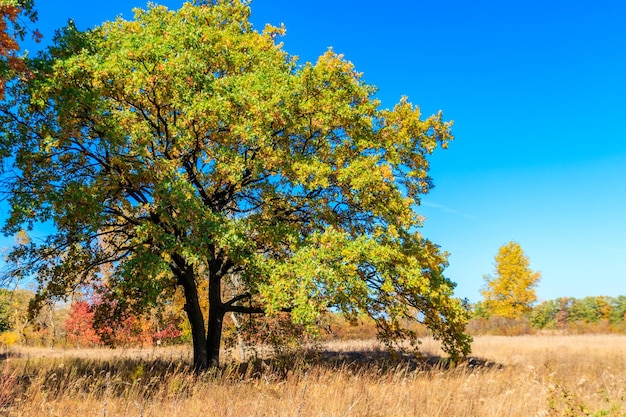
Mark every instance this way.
x=540 y=375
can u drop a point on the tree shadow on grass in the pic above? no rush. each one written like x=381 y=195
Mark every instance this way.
x=358 y=362
x=116 y=375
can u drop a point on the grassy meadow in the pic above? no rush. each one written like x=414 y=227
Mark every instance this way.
x=534 y=375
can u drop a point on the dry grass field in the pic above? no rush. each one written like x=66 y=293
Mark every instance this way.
x=539 y=375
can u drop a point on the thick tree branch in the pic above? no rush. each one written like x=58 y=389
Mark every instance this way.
x=237 y=298
x=244 y=310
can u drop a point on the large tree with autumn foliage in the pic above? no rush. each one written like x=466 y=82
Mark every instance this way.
x=185 y=147
x=510 y=292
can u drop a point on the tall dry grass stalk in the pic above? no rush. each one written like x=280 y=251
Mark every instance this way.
x=514 y=376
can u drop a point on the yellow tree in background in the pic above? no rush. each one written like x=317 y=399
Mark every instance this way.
x=511 y=291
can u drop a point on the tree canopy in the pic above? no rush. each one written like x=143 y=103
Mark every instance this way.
x=184 y=146
x=510 y=293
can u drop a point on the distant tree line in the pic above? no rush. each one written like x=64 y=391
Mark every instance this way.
x=82 y=324
x=597 y=314
x=565 y=312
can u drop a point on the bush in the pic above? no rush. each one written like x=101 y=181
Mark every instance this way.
x=544 y=315
x=9 y=338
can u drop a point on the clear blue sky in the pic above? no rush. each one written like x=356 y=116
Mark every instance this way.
x=537 y=91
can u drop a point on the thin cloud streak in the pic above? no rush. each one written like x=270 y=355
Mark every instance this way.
x=449 y=210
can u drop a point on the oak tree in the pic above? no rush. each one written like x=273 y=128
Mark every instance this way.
x=185 y=146
x=510 y=292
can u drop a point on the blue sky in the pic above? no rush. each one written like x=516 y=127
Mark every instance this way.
x=537 y=92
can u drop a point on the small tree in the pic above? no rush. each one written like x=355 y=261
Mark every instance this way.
x=79 y=326
x=510 y=293
x=17 y=308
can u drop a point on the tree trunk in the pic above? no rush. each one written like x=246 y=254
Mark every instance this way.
x=196 y=320
x=216 y=320
x=206 y=342
x=195 y=317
